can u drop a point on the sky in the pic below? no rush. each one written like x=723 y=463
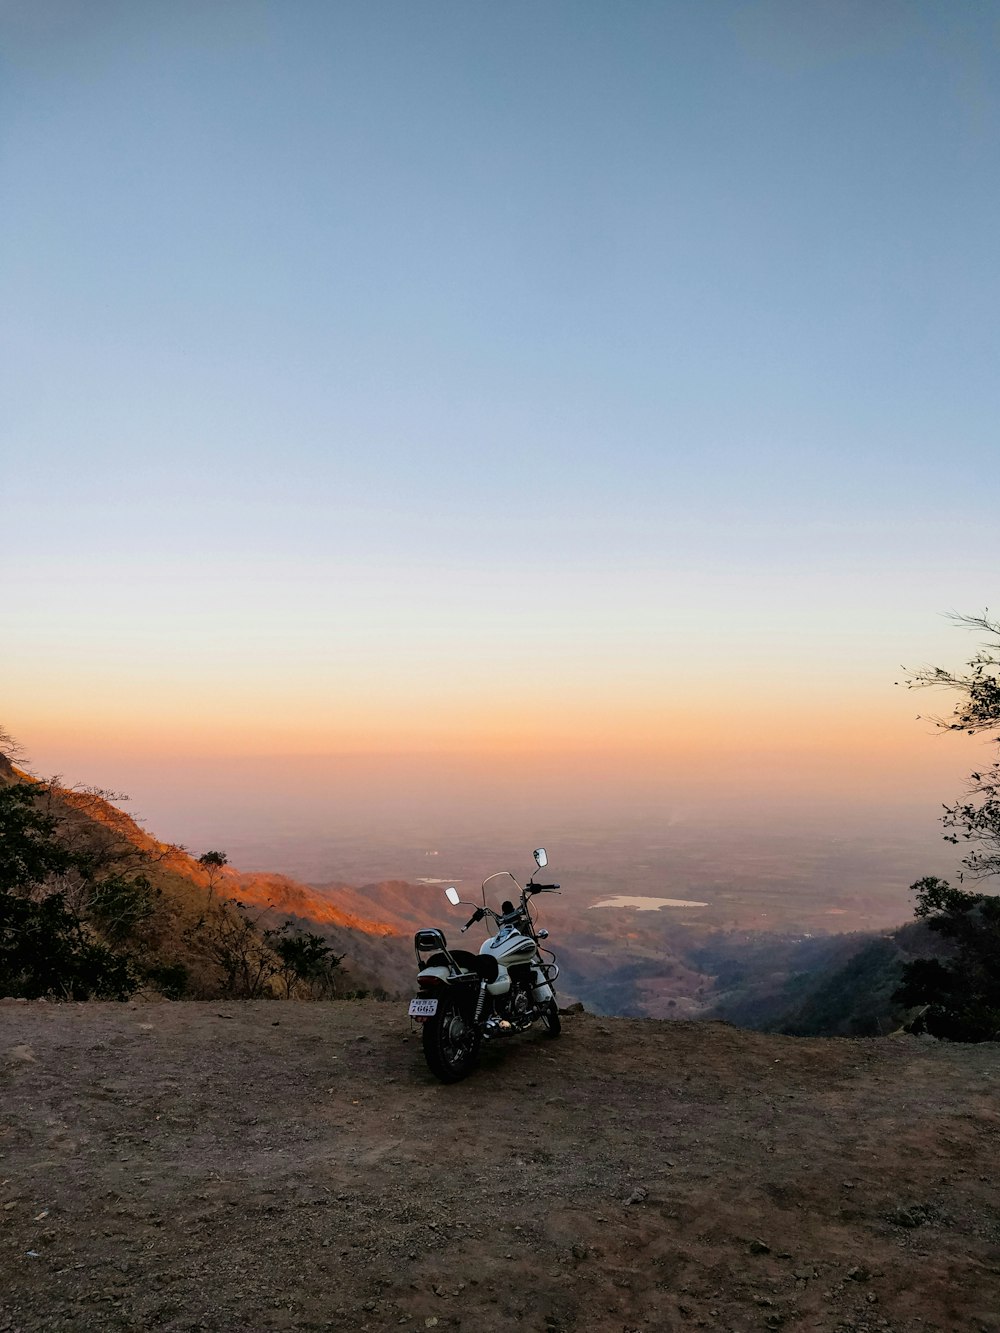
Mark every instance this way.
x=600 y=392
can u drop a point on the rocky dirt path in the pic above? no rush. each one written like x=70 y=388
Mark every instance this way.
x=275 y=1166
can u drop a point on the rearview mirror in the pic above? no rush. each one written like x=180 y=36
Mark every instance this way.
x=451 y=893
x=541 y=860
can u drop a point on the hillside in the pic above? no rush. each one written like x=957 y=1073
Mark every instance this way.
x=182 y=894
x=239 y=1168
x=833 y=985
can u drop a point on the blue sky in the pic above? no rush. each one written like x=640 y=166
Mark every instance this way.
x=675 y=261
x=535 y=356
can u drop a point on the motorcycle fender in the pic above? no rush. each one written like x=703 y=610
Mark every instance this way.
x=460 y=991
x=441 y=972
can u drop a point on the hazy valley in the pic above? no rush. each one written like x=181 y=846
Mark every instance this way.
x=751 y=922
x=777 y=906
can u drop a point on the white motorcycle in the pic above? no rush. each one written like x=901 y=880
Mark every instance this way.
x=466 y=998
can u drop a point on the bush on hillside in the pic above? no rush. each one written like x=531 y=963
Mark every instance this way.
x=45 y=947
x=308 y=964
x=959 y=997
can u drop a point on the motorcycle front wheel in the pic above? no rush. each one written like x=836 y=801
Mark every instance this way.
x=451 y=1046
x=551 y=1021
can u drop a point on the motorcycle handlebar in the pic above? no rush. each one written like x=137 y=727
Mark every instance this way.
x=477 y=915
x=509 y=913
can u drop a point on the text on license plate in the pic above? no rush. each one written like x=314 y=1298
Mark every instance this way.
x=423 y=1008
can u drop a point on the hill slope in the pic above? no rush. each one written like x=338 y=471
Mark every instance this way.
x=183 y=891
x=832 y=985
x=254 y=1167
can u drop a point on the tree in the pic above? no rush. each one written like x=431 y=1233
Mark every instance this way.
x=10 y=749
x=120 y=905
x=46 y=948
x=975 y=818
x=231 y=938
x=30 y=853
x=960 y=995
x=72 y=903
x=213 y=864
x=308 y=963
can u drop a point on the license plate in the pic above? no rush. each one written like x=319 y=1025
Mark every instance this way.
x=423 y=1008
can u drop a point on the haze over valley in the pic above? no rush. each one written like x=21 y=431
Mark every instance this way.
x=656 y=921
x=804 y=844
x=777 y=857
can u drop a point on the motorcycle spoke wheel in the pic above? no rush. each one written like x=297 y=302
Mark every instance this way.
x=451 y=1046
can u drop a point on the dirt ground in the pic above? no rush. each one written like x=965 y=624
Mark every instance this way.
x=281 y=1166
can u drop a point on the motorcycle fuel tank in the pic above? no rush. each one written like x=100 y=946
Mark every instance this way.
x=510 y=947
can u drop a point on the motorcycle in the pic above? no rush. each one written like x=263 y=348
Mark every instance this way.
x=467 y=998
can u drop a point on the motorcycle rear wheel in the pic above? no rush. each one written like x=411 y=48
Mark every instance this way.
x=551 y=1021
x=451 y=1046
